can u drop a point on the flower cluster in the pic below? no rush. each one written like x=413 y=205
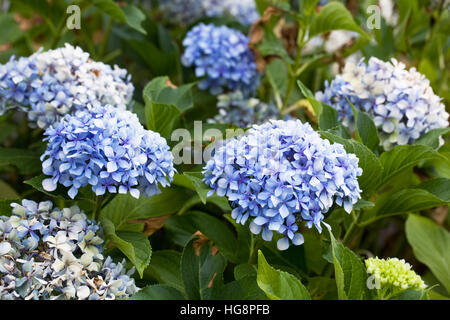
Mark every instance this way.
x=188 y=11
x=236 y=109
x=394 y=272
x=47 y=253
x=48 y=85
x=222 y=58
x=281 y=173
x=243 y=11
x=106 y=148
x=401 y=102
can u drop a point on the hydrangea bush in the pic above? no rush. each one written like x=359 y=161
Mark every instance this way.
x=224 y=150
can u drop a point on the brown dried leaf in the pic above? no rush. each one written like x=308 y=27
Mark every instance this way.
x=200 y=242
x=211 y=282
x=152 y=225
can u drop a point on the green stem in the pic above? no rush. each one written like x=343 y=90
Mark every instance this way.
x=58 y=33
x=97 y=208
x=106 y=38
x=252 y=248
x=350 y=231
x=293 y=69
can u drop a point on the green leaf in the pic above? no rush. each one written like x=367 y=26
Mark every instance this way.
x=7 y=192
x=431 y=138
x=317 y=105
x=158 y=292
x=217 y=231
x=193 y=181
x=328 y=118
x=428 y=195
x=368 y=162
x=404 y=157
x=134 y=17
x=124 y=207
x=10 y=30
x=163 y=104
x=133 y=244
x=201 y=270
x=334 y=16
x=272 y=46
x=350 y=273
x=165 y=268
x=25 y=160
x=279 y=285
x=36 y=183
x=110 y=8
x=365 y=129
x=430 y=244
x=5 y=206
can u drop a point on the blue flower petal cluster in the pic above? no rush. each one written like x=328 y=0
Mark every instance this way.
x=49 y=253
x=222 y=59
x=282 y=173
x=48 y=85
x=186 y=12
x=236 y=109
x=401 y=102
x=106 y=148
x=243 y=11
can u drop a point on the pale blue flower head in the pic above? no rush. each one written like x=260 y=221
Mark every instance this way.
x=110 y=150
x=280 y=175
x=221 y=58
x=50 y=84
x=48 y=253
x=243 y=112
x=400 y=102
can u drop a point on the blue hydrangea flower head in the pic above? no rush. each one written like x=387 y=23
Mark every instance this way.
x=48 y=253
x=186 y=12
x=106 y=148
x=401 y=102
x=221 y=58
x=50 y=84
x=243 y=112
x=182 y=12
x=280 y=174
x=243 y=11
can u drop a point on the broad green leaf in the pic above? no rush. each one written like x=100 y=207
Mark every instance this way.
x=217 y=231
x=165 y=268
x=317 y=105
x=368 y=162
x=193 y=181
x=431 y=138
x=328 y=118
x=201 y=270
x=245 y=288
x=272 y=46
x=134 y=17
x=404 y=157
x=365 y=130
x=405 y=201
x=334 y=16
x=134 y=245
x=10 y=30
x=158 y=292
x=430 y=244
x=7 y=192
x=349 y=271
x=124 y=207
x=163 y=104
x=25 y=160
x=36 y=183
x=245 y=270
x=161 y=117
x=279 y=285
x=110 y=8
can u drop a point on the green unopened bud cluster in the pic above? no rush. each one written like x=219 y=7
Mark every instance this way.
x=395 y=272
